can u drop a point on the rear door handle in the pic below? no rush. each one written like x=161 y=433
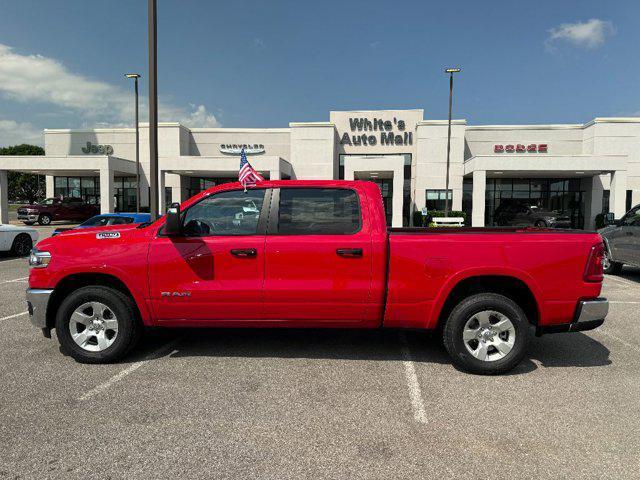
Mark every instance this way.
x=244 y=252
x=349 y=252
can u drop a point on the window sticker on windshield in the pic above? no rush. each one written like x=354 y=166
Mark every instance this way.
x=103 y=235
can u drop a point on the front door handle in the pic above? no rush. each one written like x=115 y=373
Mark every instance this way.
x=349 y=252
x=244 y=252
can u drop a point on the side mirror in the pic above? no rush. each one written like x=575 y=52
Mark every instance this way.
x=173 y=225
x=609 y=219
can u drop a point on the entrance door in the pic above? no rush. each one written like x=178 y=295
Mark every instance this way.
x=318 y=257
x=215 y=270
x=386 y=190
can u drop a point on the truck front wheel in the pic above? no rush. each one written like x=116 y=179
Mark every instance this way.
x=44 y=219
x=97 y=324
x=486 y=334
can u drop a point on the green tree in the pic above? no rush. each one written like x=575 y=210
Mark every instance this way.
x=25 y=186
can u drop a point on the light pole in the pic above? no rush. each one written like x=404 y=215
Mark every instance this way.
x=153 y=110
x=450 y=71
x=135 y=77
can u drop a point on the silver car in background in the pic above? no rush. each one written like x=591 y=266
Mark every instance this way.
x=622 y=241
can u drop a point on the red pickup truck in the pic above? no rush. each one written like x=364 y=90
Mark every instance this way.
x=314 y=254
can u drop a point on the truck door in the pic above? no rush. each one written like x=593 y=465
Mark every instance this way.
x=215 y=270
x=626 y=243
x=318 y=257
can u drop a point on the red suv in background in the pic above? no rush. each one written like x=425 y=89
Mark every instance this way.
x=50 y=209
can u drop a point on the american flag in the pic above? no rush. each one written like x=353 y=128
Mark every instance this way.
x=247 y=175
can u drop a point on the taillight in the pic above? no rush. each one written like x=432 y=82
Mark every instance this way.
x=593 y=272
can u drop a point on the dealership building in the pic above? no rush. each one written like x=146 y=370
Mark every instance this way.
x=578 y=170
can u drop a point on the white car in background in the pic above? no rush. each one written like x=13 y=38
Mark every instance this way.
x=17 y=240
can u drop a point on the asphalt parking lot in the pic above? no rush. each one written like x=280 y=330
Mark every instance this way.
x=319 y=404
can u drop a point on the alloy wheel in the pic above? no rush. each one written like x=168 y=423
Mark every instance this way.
x=489 y=335
x=93 y=326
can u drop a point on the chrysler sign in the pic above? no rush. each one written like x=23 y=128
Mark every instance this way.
x=520 y=148
x=236 y=148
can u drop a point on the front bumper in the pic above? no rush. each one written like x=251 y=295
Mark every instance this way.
x=590 y=314
x=37 y=302
x=30 y=217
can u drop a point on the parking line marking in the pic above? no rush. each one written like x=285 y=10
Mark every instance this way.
x=618 y=339
x=13 y=316
x=415 y=393
x=14 y=259
x=623 y=281
x=159 y=353
x=15 y=280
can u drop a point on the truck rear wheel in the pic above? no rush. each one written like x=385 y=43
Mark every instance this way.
x=486 y=334
x=97 y=325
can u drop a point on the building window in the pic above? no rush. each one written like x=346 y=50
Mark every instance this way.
x=628 y=200
x=605 y=201
x=168 y=195
x=87 y=188
x=125 y=194
x=561 y=196
x=200 y=184
x=467 y=199
x=436 y=199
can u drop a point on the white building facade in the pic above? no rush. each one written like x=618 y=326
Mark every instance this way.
x=578 y=170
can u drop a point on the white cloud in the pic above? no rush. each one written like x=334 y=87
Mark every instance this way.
x=590 y=34
x=38 y=79
x=199 y=117
x=16 y=133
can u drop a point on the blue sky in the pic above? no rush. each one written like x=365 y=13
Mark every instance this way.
x=265 y=64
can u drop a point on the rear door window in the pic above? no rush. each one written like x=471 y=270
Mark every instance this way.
x=318 y=211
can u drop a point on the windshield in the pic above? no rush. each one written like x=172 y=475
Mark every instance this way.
x=102 y=221
x=48 y=201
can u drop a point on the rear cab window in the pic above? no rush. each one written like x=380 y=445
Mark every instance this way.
x=319 y=211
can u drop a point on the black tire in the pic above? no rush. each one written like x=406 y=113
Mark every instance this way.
x=44 y=219
x=615 y=268
x=540 y=223
x=21 y=245
x=464 y=311
x=129 y=326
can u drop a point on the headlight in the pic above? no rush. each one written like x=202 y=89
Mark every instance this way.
x=39 y=259
x=31 y=210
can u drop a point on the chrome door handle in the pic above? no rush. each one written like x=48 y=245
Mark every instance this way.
x=349 y=252
x=244 y=252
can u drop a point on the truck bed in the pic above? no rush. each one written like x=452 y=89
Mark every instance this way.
x=425 y=264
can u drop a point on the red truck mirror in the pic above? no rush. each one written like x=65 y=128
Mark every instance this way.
x=173 y=222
